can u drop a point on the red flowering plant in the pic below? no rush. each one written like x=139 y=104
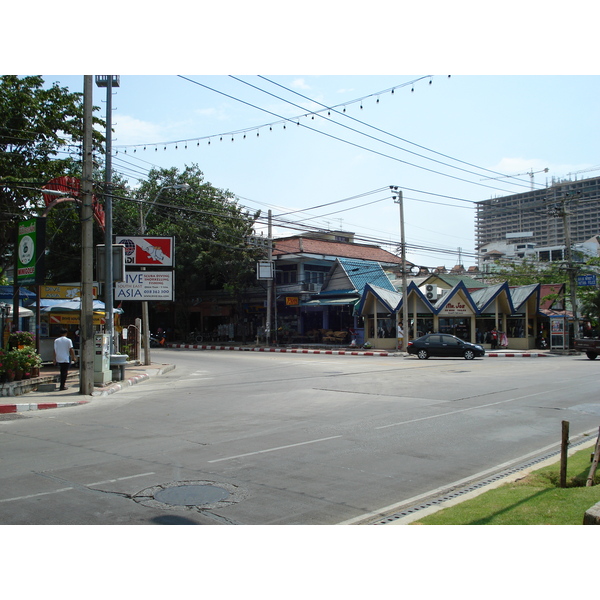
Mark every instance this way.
x=28 y=360
x=10 y=363
x=20 y=338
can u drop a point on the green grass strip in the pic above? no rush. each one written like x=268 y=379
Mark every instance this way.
x=536 y=499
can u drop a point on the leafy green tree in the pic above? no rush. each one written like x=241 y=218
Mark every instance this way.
x=527 y=272
x=40 y=134
x=210 y=230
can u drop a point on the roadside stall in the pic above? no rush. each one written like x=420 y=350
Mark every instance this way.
x=56 y=314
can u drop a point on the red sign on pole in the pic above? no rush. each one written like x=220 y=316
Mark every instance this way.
x=148 y=251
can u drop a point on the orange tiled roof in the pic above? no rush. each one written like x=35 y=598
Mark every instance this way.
x=297 y=245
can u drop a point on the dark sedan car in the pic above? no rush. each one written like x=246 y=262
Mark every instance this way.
x=442 y=344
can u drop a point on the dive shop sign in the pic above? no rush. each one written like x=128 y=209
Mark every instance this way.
x=145 y=285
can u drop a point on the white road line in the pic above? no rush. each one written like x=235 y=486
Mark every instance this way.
x=333 y=437
x=462 y=410
x=36 y=495
x=118 y=479
x=66 y=489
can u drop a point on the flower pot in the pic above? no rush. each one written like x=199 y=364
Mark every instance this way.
x=10 y=376
x=18 y=374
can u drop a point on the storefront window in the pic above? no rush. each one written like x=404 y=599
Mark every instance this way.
x=458 y=326
x=386 y=326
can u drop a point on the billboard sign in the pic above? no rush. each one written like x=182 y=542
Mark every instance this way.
x=64 y=292
x=148 y=251
x=145 y=285
x=31 y=250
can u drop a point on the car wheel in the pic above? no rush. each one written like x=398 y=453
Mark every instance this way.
x=591 y=355
x=469 y=354
x=422 y=354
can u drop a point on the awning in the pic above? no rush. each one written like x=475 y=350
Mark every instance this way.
x=330 y=302
x=23 y=312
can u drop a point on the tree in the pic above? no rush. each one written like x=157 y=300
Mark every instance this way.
x=210 y=229
x=40 y=132
x=527 y=272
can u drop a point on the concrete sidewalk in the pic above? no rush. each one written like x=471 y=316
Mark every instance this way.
x=42 y=392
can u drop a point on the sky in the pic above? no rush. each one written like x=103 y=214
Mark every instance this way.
x=478 y=97
x=447 y=142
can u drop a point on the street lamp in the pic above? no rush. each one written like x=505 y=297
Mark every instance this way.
x=145 y=317
x=177 y=186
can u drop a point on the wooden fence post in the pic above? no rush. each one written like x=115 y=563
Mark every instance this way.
x=595 y=460
x=563 y=454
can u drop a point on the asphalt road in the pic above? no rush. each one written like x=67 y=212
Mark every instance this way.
x=286 y=439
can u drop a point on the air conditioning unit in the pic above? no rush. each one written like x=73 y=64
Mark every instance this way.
x=431 y=292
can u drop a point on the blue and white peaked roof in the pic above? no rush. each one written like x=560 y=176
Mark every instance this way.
x=350 y=276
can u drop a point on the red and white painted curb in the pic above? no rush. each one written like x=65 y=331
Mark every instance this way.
x=17 y=408
x=116 y=387
x=517 y=355
x=282 y=350
x=337 y=352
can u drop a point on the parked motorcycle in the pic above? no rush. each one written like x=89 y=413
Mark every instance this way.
x=157 y=341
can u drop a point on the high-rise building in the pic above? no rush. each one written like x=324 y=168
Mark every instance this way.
x=526 y=224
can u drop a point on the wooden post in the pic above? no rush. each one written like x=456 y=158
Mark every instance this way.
x=595 y=460
x=563 y=454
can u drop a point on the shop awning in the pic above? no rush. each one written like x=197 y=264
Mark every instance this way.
x=330 y=302
x=23 y=312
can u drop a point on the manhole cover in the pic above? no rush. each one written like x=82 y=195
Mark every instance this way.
x=191 y=495
x=197 y=495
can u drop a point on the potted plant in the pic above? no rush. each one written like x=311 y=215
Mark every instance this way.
x=29 y=361
x=10 y=363
x=20 y=339
x=2 y=366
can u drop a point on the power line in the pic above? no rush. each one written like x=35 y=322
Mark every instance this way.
x=336 y=137
x=381 y=130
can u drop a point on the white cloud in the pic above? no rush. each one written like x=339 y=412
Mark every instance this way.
x=129 y=130
x=219 y=114
x=301 y=84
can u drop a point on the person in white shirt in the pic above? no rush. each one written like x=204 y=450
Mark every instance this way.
x=63 y=354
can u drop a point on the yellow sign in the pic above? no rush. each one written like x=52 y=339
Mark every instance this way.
x=292 y=301
x=63 y=292
x=73 y=319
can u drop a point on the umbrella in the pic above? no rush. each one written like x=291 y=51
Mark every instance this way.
x=48 y=306
x=7 y=292
x=23 y=312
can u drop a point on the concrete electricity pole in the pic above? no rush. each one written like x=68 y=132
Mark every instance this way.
x=269 y=323
x=86 y=328
x=563 y=213
x=108 y=81
x=405 y=323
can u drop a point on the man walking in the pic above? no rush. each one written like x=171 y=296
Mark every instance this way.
x=63 y=354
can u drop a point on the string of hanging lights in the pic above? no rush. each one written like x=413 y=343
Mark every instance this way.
x=125 y=148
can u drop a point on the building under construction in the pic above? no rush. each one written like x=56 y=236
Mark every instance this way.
x=530 y=224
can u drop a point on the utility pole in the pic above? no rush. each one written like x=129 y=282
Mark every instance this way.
x=86 y=328
x=405 y=324
x=571 y=269
x=108 y=81
x=145 y=316
x=269 y=281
